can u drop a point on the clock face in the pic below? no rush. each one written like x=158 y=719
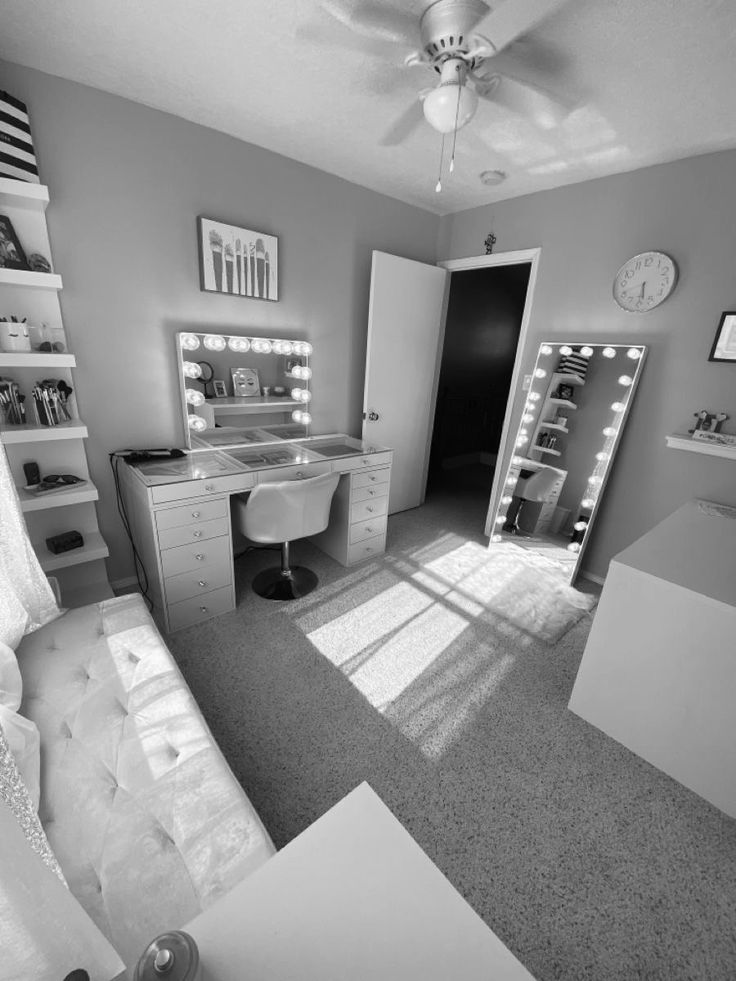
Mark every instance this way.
x=644 y=281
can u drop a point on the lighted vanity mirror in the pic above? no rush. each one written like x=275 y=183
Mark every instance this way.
x=573 y=416
x=243 y=391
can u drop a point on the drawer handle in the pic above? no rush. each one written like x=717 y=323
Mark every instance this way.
x=195 y=514
x=203 y=609
x=366 y=461
x=199 y=556
x=300 y=474
x=202 y=582
x=372 y=493
x=209 y=487
x=368 y=528
x=371 y=477
x=369 y=548
x=197 y=534
x=369 y=510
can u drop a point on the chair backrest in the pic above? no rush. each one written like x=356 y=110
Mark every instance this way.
x=538 y=486
x=289 y=509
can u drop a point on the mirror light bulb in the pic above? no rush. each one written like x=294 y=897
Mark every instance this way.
x=496 y=538
x=587 y=502
x=618 y=406
x=190 y=369
x=214 y=342
x=634 y=353
x=540 y=373
x=573 y=547
x=534 y=396
x=522 y=441
x=528 y=417
x=626 y=380
x=506 y=499
x=190 y=342
x=595 y=479
x=587 y=352
x=518 y=460
x=501 y=519
x=297 y=415
x=609 y=431
x=545 y=349
x=565 y=350
x=601 y=456
x=302 y=348
x=306 y=418
x=194 y=397
x=238 y=344
x=282 y=347
x=306 y=395
x=580 y=525
x=511 y=482
x=296 y=394
x=609 y=352
x=196 y=423
x=260 y=345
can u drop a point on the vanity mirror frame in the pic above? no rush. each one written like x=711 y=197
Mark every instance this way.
x=540 y=379
x=192 y=348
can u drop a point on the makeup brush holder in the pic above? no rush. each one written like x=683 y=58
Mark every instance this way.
x=14 y=337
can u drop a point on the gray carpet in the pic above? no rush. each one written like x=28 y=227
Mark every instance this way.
x=587 y=862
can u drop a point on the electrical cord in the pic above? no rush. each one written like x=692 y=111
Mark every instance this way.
x=115 y=457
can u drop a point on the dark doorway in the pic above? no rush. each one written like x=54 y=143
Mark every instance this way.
x=484 y=314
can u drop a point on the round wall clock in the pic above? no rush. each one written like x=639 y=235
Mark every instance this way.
x=644 y=282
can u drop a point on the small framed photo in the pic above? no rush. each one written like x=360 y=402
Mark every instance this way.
x=724 y=345
x=246 y=382
x=220 y=388
x=237 y=260
x=12 y=255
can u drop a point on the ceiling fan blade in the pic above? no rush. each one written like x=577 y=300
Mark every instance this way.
x=334 y=36
x=513 y=18
x=404 y=125
x=523 y=98
x=374 y=20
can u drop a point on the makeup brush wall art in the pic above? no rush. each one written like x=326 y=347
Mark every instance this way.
x=237 y=261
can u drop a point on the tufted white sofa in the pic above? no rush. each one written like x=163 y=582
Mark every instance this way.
x=146 y=818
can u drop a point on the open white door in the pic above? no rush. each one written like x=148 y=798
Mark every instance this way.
x=405 y=330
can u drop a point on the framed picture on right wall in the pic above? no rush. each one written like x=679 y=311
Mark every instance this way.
x=724 y=345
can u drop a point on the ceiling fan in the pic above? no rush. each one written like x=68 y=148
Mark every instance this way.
x=458 y=40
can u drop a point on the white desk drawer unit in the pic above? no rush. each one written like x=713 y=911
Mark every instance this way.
x=184 y=515
x=202 y=488
x=362 y=530
x=299 y=472
x=184 y=558
x=197 y=582
x=374 y=507
x=198 y=608
x=363 y=462
x=371 y=478
x=194 y=532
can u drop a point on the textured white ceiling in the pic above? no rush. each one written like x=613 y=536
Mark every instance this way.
x=645 y=81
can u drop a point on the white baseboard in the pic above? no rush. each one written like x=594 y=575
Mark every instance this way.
x=591 y=576
x=120 y=584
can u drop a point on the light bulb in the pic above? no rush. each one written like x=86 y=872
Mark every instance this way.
x=496 y=538
x=301 y=371
x=511 y=482
x=565 y=350
x=282 y=347
x=260 y=345
x=196 y=423
x=190 y=342
x=190 y=369
x=518 y=460
x=587 y=502
x=214 y=342
x=595 y=479
x=296 y=394
x=609 y=431
x=306 y=418
x=501 y=519
x=297 y=415
x=580 y=525
x=528 y=417
x=194 y=397
x=587 y=352
x=618 y=406
x=523 y=432
x=534 y=396
x=306 y=395
x=450 y=106
x=238 y=344
x=601 y=457
x=506 y=499
x=609 y=352
x=573 y=547
x=626 y=380
x=302 y=348
x=522 y=441
x=540 y=373
x=545 y=349
x=634 y=353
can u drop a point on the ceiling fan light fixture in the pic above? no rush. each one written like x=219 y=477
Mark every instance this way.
x=450 y=107
x=493 y=177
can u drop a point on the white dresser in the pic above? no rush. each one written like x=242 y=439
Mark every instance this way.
x=179 y=516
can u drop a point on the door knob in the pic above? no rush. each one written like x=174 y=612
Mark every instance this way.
x=373 y=416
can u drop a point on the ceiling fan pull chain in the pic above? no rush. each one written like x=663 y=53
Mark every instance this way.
x=438 y=186
x=454 y=132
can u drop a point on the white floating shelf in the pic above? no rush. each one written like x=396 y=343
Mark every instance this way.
x=42 y=434
x=553 y=425
x=564 y=379
x=77 y=494
x=94 y=548
x=679 y=441
x=22 y=194
x=34 y=280
x=37 y=359
x=546 y=449
x=232 y=407
x=568 y=405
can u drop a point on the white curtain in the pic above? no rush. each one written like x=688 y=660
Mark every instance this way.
x=26 y=599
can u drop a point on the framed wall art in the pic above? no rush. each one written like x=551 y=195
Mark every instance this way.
x=237 y=261
x=724 y=344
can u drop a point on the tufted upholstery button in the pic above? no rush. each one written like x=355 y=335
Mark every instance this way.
x=133 y=657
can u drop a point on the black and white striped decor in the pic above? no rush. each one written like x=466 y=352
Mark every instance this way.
x=17 y=157
x=573 y=364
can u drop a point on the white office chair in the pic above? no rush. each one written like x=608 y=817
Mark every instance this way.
x=280 y=513
x=533 y=488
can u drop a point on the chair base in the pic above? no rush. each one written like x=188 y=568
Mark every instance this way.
x=273 y=584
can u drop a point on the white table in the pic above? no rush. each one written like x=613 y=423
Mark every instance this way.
x=659 y=670
x=353 y=897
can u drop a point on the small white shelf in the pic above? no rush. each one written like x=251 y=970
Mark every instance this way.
x=563 y=378
x=42 y=434
x=22 y=194
x=34 y=280
x=78 y=494
x=94 y=548
x=568 y=405
x=546 y=449
x=553 y=425
x=680 y=441
x=36 y=359
x=234 y=406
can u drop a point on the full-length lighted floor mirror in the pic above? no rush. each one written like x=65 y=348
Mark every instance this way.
x=564 y=448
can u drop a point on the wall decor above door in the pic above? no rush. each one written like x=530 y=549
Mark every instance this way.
x=237 y=260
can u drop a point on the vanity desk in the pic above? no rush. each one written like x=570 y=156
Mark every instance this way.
x=179 y=511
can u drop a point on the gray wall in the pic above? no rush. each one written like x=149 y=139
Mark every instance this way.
x=126 y=185
x=586 y=231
